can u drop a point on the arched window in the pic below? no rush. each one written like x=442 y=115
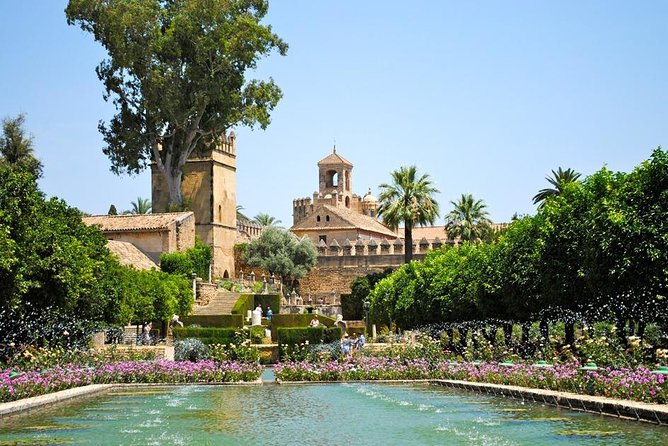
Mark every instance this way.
x=347 y=201
x=332 y=179
x=317 y=218
x=327 y=218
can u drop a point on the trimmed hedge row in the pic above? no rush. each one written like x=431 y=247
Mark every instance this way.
x=296 y=320
x=314 y=335
x=243 y=304
x=248 y=302
x=208 y=335
x=218 y=320
x=300 y=320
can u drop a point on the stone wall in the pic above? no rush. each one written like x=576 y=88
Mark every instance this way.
x=206 y=291
x=151 y=243
x=322 y=280
x=184 y=234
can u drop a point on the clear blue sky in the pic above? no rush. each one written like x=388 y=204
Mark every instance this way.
x=486 y=97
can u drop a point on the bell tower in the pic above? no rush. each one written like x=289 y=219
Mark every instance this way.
x=335 y=179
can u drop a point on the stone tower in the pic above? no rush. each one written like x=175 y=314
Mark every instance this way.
x=209 y=186
x=335 y=188
x=335 y=178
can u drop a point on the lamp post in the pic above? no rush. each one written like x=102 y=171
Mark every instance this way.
x=193 y=276
x=366 y=305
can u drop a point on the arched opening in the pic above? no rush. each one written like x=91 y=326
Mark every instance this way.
x=226 y=275
x=347 y=201
x=317 y=218
x=327 y=218
x=332 y=178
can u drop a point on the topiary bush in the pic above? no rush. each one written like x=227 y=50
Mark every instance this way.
x=296 y=338
x=208 y=335
x=190 y=349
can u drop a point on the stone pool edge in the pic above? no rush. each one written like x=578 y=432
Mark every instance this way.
x=13 y=408
x=35 y=402
x=626 y=409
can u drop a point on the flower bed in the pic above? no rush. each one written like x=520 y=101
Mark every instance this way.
x=638 y=384
x=14 y=386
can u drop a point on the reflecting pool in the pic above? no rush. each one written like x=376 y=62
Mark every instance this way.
x=318 y=414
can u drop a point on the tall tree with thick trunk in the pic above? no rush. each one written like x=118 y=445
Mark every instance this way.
x=176 y=74
x=408 y=200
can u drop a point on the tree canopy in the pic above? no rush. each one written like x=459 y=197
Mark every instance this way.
x=408 y=200
x=266 y=220
x=468 y=220
x=559 y=180
x=16 y=148
x=596 y=251
x=280 y=252
x=176 y=73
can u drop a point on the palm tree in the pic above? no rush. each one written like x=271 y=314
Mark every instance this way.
x=408 y=200
x=141 y=206
x=468 y=220
x=559 y=179
x=265 y=220
x=240 y=215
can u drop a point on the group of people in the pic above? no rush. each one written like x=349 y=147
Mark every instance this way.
x=268 y=313
x=350 y=344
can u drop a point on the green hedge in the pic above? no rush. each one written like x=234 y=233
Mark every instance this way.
x=251 y=301
x=208 y=335
x=218 y=320
x=296 y=320
x=257 y=334
x=314 y=335
x=196 y=259
x=243 y=304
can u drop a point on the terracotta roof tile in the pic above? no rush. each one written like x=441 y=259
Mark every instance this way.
x=334 y=158
x=354 y=220
x=136 y=222
x=129 y=255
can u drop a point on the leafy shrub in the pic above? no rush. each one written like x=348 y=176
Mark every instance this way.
x=257 y=334
x=226 y=285
x=219 y=352
x=44 y=327
x=196 y=259
x=208 y=335
x=292 y=339
x=190 y=349
x=218 y=320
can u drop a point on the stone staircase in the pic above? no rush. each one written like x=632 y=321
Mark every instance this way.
x=221 y=303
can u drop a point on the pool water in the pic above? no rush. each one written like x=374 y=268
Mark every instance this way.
x=318 y=414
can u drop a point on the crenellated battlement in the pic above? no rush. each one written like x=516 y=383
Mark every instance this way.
x=372 y=248
x=227 y=144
